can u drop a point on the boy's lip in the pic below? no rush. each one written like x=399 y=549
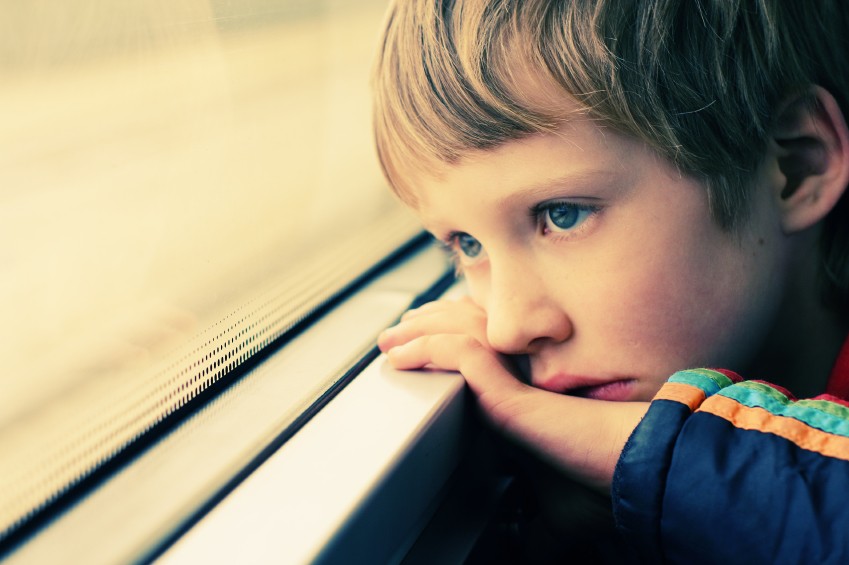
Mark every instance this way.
x=614 y=389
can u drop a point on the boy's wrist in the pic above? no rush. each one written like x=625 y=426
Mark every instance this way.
x=582 y=437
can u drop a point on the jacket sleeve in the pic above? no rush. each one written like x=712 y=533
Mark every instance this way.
x=728 y=471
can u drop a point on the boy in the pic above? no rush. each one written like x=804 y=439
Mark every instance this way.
x=633 y=189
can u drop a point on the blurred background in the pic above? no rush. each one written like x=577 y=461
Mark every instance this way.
x=159 y=160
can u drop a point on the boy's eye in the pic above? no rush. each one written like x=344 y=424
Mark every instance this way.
x=562 y=216
x=465 y=250
x=469 y=246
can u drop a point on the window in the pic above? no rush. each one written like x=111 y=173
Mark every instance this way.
x=181 y=183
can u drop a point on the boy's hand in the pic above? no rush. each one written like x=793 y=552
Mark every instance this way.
x=583 y=437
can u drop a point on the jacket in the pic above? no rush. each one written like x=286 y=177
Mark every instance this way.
x=723 y=470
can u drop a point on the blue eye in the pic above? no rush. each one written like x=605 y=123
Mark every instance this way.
x=562 y=216
x=469 y=246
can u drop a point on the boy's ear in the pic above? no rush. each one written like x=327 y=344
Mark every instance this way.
x=811 y=146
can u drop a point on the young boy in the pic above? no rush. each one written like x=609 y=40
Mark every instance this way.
x=633 y=189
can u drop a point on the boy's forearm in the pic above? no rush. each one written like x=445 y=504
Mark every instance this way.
x=582 y=437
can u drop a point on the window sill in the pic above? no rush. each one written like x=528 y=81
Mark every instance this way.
x=355 y=485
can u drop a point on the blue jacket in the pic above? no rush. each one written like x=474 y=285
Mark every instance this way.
x=722 y=470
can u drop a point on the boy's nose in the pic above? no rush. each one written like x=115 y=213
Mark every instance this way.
x=522 y=318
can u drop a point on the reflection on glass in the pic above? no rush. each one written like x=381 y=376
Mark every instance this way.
x=158 y=160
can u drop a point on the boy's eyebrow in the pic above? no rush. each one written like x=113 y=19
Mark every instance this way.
x=572 y=182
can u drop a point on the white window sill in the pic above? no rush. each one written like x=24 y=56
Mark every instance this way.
x=355 y=485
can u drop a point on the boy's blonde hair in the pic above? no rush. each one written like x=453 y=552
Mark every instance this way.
x=698 y=80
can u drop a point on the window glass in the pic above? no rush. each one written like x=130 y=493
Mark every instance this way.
x=175 y=179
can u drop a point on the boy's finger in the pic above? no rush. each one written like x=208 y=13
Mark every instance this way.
x=432 y=324
x=482 y=368
x=429 y=350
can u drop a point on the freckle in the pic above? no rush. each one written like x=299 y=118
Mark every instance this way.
x=760 y=241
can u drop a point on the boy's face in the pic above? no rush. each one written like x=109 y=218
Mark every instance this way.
x=601 y=263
